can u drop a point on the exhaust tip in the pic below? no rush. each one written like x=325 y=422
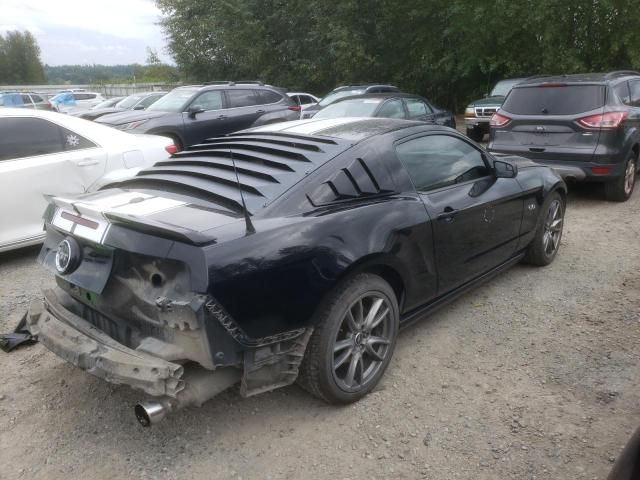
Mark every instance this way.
x=150 y=412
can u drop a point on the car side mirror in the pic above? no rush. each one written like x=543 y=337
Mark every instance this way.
x=504 y=169
x=194 y=110
x=139 y=107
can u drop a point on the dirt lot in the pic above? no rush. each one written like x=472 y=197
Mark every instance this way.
x=533 y=376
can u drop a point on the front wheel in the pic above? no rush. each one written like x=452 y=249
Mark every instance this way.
x=620 y=189
x=353 y=341
x=546 y=242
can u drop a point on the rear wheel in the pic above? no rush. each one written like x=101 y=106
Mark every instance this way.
x=475 y=134
x=353 y=341
x=620 y=189
x=544 y=246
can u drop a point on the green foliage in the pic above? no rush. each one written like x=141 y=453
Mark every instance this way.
x=20 y=59
x=99 y=74
x=448 y=50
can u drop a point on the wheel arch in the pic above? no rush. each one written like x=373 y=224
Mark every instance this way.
x=384 y=266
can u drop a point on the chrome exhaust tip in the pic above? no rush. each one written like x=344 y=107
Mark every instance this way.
x=150 y=412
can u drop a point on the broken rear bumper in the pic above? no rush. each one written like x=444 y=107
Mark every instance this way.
x=80 y=343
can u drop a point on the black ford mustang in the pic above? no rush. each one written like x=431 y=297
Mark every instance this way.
x=292 y=251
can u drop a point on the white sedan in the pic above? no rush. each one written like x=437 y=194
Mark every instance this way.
x=50 y=153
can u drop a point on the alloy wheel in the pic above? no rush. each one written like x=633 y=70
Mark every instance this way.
x=362 y=342
x=552 y=228
x=629 y=177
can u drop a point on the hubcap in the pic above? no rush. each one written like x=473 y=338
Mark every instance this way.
x=552 y=228
x=362 y=342
x=629 y=177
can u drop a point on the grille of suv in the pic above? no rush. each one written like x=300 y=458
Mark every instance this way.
x=485 y=111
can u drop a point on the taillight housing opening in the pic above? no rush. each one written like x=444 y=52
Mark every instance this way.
x=295 y=108
x=171 y=149
x=499 y=121
x=603 y=120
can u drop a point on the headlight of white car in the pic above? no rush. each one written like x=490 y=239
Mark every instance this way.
x=130 y=125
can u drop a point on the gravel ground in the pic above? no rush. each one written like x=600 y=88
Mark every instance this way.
x=532 y=376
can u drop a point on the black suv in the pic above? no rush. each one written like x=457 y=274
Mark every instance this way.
x=193 y=113
x=585 y=126
x=347 y=91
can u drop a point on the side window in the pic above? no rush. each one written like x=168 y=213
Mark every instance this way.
x=73 y=141
x=416 y=108
x=622 y=92
x=149 y=100
x=211 y=100
x=306 y=100
x=27 y=137
x=437 y=161
x=392 y=109
x=634 y=86
x=242 y=98
x=267 y=97
x=36 y=98
x=26 y=99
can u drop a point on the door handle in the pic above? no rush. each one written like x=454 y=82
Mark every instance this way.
x=537 y=150
x=222 y=117
x=261 y=111
x=448 y=214
x=86 y=162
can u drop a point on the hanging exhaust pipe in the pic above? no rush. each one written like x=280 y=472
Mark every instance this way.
x=200 y=386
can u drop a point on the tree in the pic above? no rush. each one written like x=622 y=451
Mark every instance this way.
x=20 y=59
x=448 y=50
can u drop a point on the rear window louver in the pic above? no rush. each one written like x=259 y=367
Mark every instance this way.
x=361 y=178
x=267 y=165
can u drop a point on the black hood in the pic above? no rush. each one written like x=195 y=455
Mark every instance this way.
x=129 y=116
x=93 y=114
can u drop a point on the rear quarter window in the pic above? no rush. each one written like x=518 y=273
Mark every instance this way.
x=554 y=100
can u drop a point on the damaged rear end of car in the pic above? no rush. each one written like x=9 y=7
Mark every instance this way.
x=135 y=301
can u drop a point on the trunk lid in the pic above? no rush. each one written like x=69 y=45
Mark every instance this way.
x=544 y=122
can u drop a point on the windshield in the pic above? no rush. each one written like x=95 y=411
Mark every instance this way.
x=174 y=101
x=332 y=97
x=128 y=102
x=105 y=104
x=503 y=87
x=361 y=107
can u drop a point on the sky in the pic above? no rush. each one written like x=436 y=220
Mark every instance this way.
x=70 y=32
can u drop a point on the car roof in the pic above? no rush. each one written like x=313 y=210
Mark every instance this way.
x=353 y=129
x=580 y=78
x=378 y=96
x=364 y=85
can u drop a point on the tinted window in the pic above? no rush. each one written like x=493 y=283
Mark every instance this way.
x=392 y=109
x=555 y=100
x=27 y=137
x=634 y=86
x=622 y=92
x=211 y=100
x=306 y=99
x=437 y=161
x=73 y=141
x=267 y=96
x=242 y=98
x=416 y=108
x=36 y=98
x=26 y=99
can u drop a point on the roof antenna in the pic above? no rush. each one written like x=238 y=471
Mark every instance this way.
x=247 y=219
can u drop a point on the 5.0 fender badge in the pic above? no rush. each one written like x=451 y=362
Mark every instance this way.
x=68 y=256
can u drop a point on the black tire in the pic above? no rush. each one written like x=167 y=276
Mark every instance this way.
x=318 y=372
x=620 y=189
x=538 y=253
x=475 y=134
